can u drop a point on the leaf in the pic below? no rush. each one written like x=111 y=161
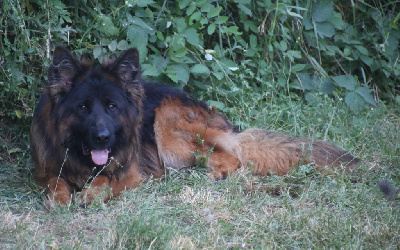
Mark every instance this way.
x=139 y=22
x=367 y=60
x=149 y=14
x=366 y=94
x=113 y=46
x=322 y=10
x=192 y=37
x=200 y=69
x=130 y=3
x=67 y=18
x=180 y=53
x=221 y=20
x=14 y=150
x=177 y=42
x=311 y=97
x=18 y=113
x=294 y=14
x=179 y=73
x=232 y=30
x=298 y=67
x=355 y=101
x=123 y=45
x=180 y=24
x=283 y=45
x=246 y=10
x=182 y=72
x=293 y=54
x=191 y=9
x=253 y=41
x=325 y=29
x=206 y=7
x=200 y=85
x=194 y=17
x=171 y=73
x=138 y=38
x=151 y=70
x=327 y=86
x=218 y=74
x=97 y=51
x=308 y=24
x=107 y=26
x=214 y=12
x=211 y=29
x=337 y=21
x=281 y=81
x=143 y=3
x=362 y=50
x=305 y=81
x=346 y=81
x=219 y=105
x=184 y=3
x=160 y=36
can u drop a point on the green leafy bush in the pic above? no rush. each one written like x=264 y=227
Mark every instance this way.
x=235 y=53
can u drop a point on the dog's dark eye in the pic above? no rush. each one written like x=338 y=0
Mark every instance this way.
x=83 y=107
x=111 y=106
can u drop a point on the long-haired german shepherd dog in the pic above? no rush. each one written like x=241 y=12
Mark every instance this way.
x=104 y=126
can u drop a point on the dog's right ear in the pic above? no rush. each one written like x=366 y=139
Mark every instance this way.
x=62 y=72
x=64 y=67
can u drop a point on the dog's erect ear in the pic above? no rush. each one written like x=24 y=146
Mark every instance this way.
x=64 y=68
x=62 y=73
x=127 y=67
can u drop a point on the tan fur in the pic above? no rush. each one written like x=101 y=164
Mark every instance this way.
x=178 y=128
x=58 y=191
x=131 y=179
x=267 y=152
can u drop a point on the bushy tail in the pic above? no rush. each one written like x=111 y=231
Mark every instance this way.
x=268 y=152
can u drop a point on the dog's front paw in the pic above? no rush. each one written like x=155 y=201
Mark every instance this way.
x=98 y=190
x=94 y=194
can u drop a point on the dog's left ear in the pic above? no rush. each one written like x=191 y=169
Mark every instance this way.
x=127 y=67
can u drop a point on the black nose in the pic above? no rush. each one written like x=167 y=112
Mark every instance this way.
x=102 y=136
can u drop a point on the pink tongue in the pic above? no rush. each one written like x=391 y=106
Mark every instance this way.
x=100 y=156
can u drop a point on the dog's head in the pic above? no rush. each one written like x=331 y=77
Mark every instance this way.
x=98 y=109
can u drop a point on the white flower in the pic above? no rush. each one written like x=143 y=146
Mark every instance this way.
x=233 y=68
x=209 y=53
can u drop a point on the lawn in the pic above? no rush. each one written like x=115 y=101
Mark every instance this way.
x=186 y=210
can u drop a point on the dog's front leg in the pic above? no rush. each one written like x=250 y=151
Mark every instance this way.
x=59 y=192
x=98 y=188
x=105 y=188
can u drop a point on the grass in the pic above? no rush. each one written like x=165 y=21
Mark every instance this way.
x=303 y=209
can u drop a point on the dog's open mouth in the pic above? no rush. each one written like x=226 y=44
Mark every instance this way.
x=99 y=156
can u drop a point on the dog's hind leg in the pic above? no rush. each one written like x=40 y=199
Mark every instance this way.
x=186 y=134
